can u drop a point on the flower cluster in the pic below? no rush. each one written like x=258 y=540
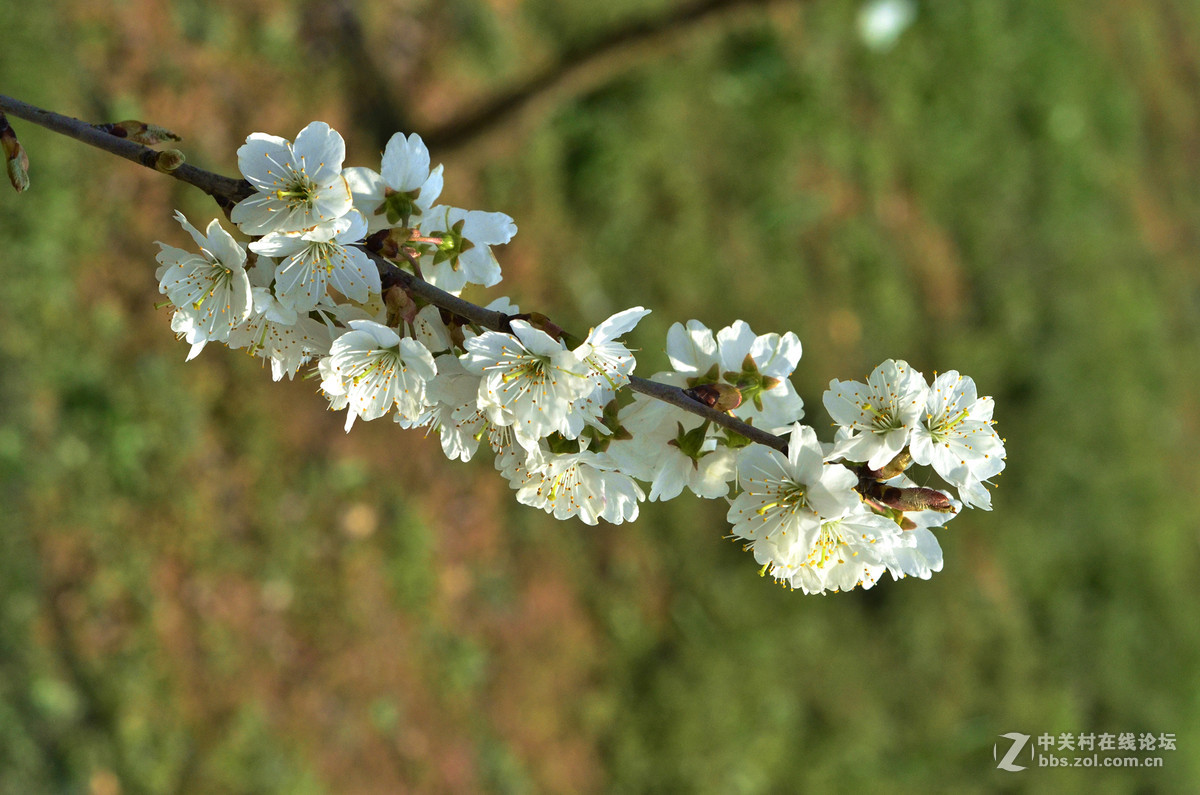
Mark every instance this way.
x=556 y=411
x=830 y=517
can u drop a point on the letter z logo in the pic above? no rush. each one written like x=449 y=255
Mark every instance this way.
x=1018 y=743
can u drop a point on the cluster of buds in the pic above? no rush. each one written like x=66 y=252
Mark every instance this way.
x=555 y=410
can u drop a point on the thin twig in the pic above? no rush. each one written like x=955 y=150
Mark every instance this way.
x=225 y=190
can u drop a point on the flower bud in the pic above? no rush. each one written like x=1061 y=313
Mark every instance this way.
x=400 y=306
x=15 y=155
x=917 y=498
x=168 y=160
x=138 y=132
x=18 y=170
x=389 y=243
x=896 y=466
x=719 y=396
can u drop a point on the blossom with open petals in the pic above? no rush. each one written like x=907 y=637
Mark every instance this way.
x=320 y=258
x=785 y=501
x=402 y=190
x=296 y=185
x=530 y=379
x=609 y=364
x=758 y=366
x=955 y=436
x=210 y=290
x=280 y=335
x=845 y=553
x=606 y=356
x=672 y=449
x=375 y=370
x=464 y=255
x=584 y=484
x=880 y=414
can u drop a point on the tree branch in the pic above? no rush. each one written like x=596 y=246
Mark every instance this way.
x=498 y=321
x=228 y=191
x=610 y=49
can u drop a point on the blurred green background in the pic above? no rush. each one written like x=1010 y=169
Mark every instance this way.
x=206 y=586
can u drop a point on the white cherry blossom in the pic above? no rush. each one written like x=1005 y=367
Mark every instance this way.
x=845 y=553
x=584 y=484
x=757 y=360
x=210 y=290
x=609 y=364
x=669 y=449
x=459 y=420
x=530 y=380
x=376 y=370
x=606 y=356
x=559 y=420
x=955 y=436
x=881 y=413
x=280 y=335
x=465 y=254
x=320 y=258
x=759 y=366
x=785 y=501
x=402 y=190
x=297 y=186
